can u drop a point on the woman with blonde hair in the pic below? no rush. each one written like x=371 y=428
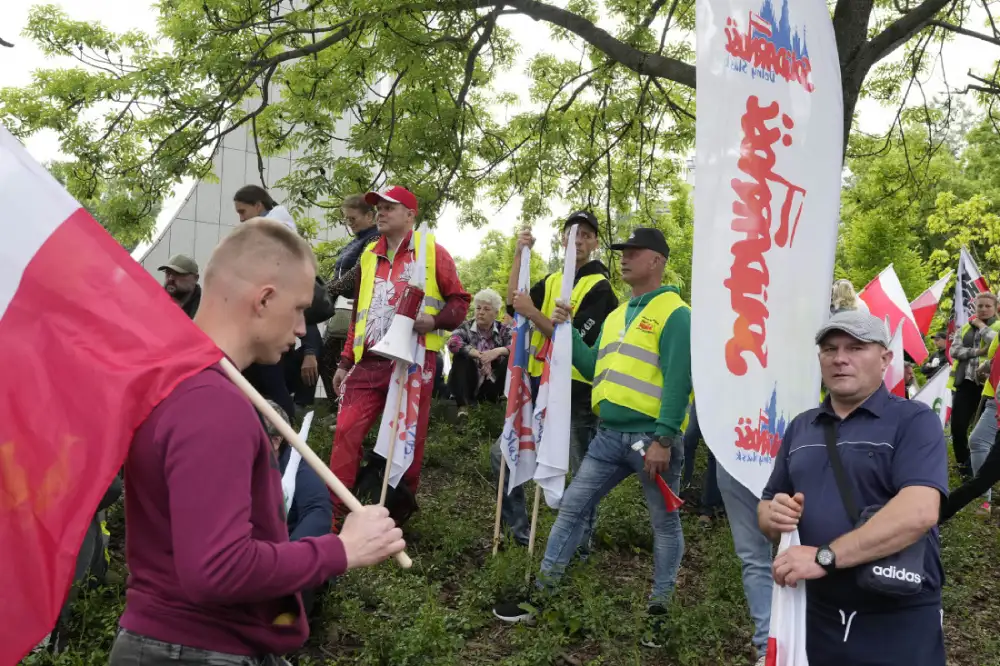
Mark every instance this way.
x=843 y=297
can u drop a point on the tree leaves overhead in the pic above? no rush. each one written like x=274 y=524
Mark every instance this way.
x=409 y=91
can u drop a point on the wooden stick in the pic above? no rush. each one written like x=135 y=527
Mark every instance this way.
x=292 y=437
x=496 y=521
x=531 y=535
x=401 y=380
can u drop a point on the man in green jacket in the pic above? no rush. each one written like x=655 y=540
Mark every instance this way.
x=641 y=370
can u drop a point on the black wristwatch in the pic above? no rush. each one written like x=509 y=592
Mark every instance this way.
x=826 y=558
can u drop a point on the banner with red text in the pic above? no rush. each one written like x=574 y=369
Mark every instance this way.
x=768 y=168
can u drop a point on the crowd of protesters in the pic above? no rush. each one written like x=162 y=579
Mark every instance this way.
x=226 y=569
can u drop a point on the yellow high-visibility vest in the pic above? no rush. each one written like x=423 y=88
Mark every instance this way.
x=954 y=364
x=989 y=390
x=433 y=300
x=553 y=287
x=628 y=367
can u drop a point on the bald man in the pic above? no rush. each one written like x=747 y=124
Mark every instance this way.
x=214 y=578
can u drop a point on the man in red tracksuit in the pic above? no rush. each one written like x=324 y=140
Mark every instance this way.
x=362 y=379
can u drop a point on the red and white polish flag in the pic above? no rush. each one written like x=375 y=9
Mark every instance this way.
x=786 y=641
x=886 y=300
x=925 y=305
x=89 y=344
x=895 y=376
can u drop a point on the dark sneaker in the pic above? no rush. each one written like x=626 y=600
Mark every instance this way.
x=655 y=635
x=515 y=611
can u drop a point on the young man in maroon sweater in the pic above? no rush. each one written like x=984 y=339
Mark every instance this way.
x=214 y=578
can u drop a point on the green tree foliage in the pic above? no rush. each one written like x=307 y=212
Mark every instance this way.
x=604 y=126
x=491 y=267
x=915 y=200
x=128 y=218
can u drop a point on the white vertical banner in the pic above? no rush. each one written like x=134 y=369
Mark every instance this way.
x=769 y=155
x=552 y=409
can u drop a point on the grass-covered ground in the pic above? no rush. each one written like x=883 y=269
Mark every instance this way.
x=439 y=611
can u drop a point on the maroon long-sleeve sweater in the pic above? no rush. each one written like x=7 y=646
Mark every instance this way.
x=206 y=544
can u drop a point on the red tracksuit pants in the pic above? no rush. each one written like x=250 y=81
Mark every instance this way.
x=362 y=404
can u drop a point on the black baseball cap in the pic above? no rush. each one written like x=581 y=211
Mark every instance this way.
x=645 y=238
x=583 y=217
x=940 y=335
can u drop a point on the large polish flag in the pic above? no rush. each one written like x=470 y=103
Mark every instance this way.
x=886 y=299
x=89 y=344
x=925 y=305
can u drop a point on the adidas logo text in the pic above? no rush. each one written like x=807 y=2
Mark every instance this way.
x=898 y=574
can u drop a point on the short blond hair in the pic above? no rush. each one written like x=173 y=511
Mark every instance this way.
x=258 y=243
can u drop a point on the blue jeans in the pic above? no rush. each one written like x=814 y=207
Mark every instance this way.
x=981 y=440
x=609 y=461
x=513 y=514
x=754 y=551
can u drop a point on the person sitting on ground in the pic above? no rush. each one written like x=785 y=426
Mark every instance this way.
x=307 y=501
x=479 y=348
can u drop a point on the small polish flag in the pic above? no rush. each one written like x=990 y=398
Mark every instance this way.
x=886 y=300
x=925 y=305
x=895 y=376
x=760 y=25
x=89 y=344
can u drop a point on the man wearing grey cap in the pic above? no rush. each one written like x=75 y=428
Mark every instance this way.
x=180 y=279
x=862 y=478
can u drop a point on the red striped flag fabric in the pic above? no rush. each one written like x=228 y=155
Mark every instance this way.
x=89 y=344
x=886 y=300
x=925 y=305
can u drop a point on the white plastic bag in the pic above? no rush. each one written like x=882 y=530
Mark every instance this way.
x=786 y=646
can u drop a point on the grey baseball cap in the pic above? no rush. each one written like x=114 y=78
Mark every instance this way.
x=857 y=324
x=181 y=263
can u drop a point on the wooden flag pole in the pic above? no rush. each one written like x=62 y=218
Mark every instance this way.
x=400 y=369
x=496 y=521
x=534 y=526
x=292 y=437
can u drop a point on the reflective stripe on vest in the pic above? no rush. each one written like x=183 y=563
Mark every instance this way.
x=553 y=287
x=433 y=300
x=628 y=367
x=989 y=390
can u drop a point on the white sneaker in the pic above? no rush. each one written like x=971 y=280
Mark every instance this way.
x=761 y=660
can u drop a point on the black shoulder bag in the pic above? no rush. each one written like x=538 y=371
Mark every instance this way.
x=898 y=575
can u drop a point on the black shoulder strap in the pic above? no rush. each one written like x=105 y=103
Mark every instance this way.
x=843 y=485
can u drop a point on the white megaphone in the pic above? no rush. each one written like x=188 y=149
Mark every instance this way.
x=399 y=341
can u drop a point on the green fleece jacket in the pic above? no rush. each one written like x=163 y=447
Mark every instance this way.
x=675 y=362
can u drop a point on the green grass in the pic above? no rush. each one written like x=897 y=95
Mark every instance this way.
x=439 y=611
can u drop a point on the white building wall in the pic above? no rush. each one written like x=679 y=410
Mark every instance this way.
x=207 y=213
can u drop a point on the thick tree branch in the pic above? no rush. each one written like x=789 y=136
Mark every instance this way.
x=6 y=43
x=898 y=33
x=640 y=62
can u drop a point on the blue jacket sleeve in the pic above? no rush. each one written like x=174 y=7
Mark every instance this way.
x=311 y=504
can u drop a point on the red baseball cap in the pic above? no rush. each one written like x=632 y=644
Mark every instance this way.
x=395 y=194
